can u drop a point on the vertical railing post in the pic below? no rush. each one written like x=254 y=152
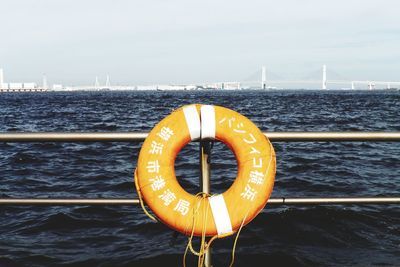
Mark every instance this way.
x=205 y=154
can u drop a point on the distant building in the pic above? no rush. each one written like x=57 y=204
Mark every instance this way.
x=18 y=86
x=58 y=87
x=29 y=86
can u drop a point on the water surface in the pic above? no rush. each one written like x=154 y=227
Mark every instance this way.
x=366 y=235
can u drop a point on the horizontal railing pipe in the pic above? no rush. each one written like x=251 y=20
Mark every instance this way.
x=140 y=136
x=74 y=137
x=334 y=200
x=133 y=201
x=333 y=136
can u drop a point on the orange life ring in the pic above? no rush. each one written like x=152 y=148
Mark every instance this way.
x=222 y=214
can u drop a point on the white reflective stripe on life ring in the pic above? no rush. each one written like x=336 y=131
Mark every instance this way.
x=193 y=121
x=221 y=215
x=207 y=114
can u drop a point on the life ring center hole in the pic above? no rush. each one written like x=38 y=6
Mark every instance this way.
x=223 y=168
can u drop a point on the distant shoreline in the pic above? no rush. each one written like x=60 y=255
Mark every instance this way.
x=204 y=90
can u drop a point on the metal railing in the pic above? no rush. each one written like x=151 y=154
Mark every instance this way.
x=140 y=136
x=134 y=201
x=204 y=166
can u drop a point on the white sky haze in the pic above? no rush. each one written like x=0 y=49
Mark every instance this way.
x=145 y=42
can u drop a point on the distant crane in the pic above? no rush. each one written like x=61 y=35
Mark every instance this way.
x=108 y=85
x=263 y=77
x=44 y=82
x=324 y=77
x=96 y=83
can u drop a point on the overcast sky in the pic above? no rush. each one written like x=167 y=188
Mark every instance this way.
x=144 y=42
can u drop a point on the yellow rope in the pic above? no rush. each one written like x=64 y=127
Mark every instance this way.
x=199 y=196
x=141 y=200
x=189 y=245
x=236 y=239
x=200 y=259
x=204 y=246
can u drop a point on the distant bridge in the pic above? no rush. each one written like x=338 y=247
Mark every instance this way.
x=263 y=82
x=258 y=79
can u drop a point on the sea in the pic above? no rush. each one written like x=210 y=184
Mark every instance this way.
x=311 y=235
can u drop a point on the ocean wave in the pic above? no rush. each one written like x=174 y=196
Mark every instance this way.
x=365 y=235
